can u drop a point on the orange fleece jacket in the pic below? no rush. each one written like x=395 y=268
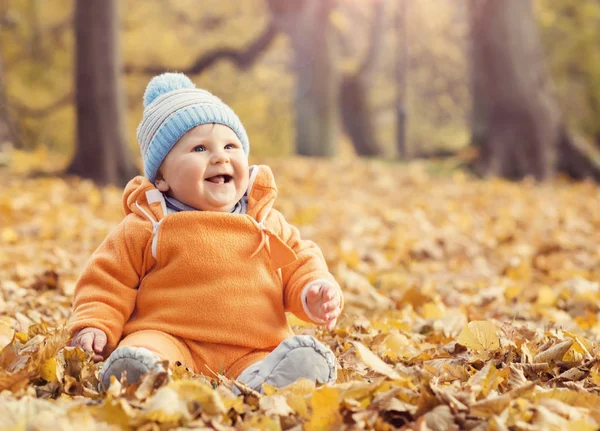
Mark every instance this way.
x=206 y=277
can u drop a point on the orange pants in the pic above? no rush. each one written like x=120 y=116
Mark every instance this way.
x=233 y=359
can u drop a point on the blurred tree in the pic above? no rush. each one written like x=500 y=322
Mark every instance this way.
x=5 y=128
x=436 y=89
x=401 y=72
x=356 y=114
x=35 y=70
x=8 y=128
x=570 y=30
x=518 y=126
x=101 y=153
x=307 y=24
x=242 y=58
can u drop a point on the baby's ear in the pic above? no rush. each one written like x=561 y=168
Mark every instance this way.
x=160 y=183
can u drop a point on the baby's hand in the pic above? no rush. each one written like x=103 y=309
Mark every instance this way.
x=91 y=339
x=323 y=301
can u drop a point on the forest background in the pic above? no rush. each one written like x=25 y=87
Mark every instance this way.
x=443 y=154
x=418 y=56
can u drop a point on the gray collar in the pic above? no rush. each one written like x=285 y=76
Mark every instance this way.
x=174 y=206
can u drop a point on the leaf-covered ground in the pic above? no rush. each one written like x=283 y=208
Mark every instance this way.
x=471 y=304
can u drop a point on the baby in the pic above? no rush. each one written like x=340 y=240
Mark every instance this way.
x=202 y=268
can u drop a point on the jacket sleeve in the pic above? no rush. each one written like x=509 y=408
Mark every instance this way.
x=105 y=292
x=310 y=267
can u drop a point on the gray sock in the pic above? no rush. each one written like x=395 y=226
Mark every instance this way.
x=135 y=361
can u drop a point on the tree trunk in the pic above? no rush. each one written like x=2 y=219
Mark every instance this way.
x=356 y=116
x=516 y=123
x=4 y=123
x=401 y=72
x=306 y=22
x=354 y=104
x=101 y=153
x=8 y=132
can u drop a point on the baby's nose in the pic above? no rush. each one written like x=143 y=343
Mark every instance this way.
x=220 y=157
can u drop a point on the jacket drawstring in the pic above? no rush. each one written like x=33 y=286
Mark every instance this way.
x=279 y=252
x=264 y=240
x=155 y=227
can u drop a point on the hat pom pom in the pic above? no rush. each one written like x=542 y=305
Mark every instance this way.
x=165 y=83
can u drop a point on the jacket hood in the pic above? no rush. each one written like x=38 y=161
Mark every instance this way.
x=141 y=195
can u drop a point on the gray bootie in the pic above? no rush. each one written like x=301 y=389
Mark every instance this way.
x=301 y=356
x=135 y=361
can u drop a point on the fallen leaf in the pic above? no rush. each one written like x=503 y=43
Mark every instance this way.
x=373 y=361
x=275 y=405
x=554 y=353
x=325 y=405
x=7 y=331
x=480 y=336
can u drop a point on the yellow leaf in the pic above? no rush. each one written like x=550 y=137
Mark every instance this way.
x=587 y=321
x=21 y=425
x=237 y=404
x=295 y=395
x=374 y=362
x=261 y=423
x=570 y=397
x=114 y=412
x=521 y=271
x=554 y=353
x=294 y=321
x=74 y=353
x=582 y=345
x=432 y=310
x=546 y=297
x=480 y=336
x=275 y=405
x=6 y=331
x=269 y=389
x=9 y=236
x=301 y=387
x=166 y=405
x=298 y=404
x=48 y=370
x=350 y=257
x=511 y=292
x=487 y=379
x=200 y=392
x=595 y=376
x=581 y=425
x=397 y=346
x=94 y=198
x=21 y=336
x=394 y=345
x=489 y=407
x=325 y=414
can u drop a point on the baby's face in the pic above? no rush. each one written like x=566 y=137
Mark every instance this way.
x=206 y=169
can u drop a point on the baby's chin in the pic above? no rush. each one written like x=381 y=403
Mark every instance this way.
x=217 y=205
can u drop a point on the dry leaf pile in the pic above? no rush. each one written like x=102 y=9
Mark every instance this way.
x=471 y=305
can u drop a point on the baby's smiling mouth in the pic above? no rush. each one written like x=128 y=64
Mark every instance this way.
x=219 y=179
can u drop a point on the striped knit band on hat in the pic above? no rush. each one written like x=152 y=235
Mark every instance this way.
x=174 y=106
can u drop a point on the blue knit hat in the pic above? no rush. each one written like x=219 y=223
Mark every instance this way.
x=172 y=106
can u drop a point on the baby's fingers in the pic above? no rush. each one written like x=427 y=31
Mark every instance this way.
x=333 y=315
x=331 y=305
x=313 y=292
x=329 y=293
x=331 y=324
x=85 y=341
x=99 y=342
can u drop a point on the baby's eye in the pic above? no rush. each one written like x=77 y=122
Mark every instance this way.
x=200 y=148
x=229 y=146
